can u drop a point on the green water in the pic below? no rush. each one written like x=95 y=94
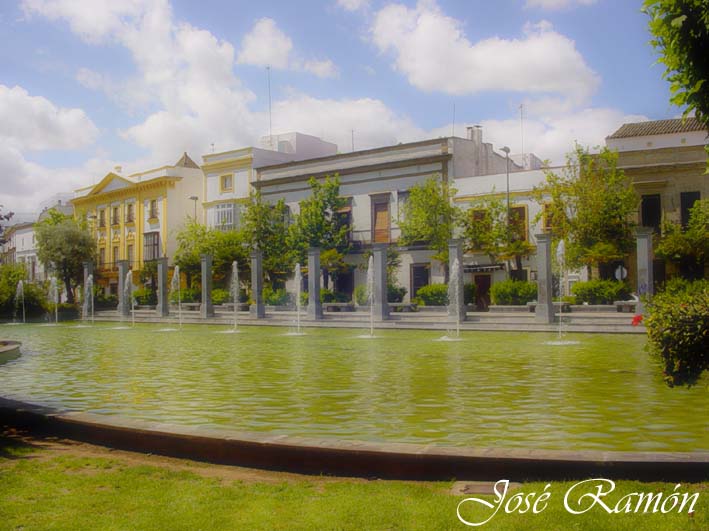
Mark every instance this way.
x=492 y=389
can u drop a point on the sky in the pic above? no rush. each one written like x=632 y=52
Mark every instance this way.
x=87 y=85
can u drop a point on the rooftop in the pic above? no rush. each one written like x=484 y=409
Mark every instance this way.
x=659 y=127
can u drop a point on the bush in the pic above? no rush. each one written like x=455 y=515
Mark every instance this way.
x=277 y=297
x=103 y=301
x=678 y=331
x=513 y=292
x=327 y=295
x=395 y=293
x=145 y=296
x=600 y=291
x=186 y=295
x=678 y=285
x=221 y=296
x=360 y=295
x=432 y=295
x=470 y=290
x=68 y=312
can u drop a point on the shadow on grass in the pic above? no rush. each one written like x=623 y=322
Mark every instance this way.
x=15 y=444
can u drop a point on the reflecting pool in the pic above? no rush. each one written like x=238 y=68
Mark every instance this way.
x=492 y=389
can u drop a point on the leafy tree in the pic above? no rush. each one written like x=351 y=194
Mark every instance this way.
x=430 y=217
x=591 y=204
x=265 y=227
x=689 y=248
x=4 y=217
x=393 y=265
x=486 y=229
x=319 y=225
x=680 y=30
x=192 y=242
x=64 y=244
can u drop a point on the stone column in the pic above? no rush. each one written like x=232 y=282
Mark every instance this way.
x=544 y=312
x=379 y=300
x=314 y=304
x=206 y=309
x=257 y=309
x=455 y=252
x=123 y=304
x=163 y=307
x=645 y=278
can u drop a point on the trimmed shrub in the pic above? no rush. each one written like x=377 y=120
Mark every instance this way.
x=68 y=312
x=678 y=285
x=186 y=295
x=360 y=295
x=395 y=293
x=327 y=295
x=513 y=292
x=432 y=295
x=678 y=331
x=277 y=297
x=221 y=296
x=470 y=290
x=600 y=291
x=103 y=301
x=145 y=296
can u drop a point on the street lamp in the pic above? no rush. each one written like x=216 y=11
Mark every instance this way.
x=506 y=150
x=195 y=199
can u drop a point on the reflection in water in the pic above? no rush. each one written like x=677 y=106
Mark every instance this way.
x=491 y=389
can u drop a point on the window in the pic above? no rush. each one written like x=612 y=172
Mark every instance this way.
x=226 y=183
x=115 y=219
x=687 y=200
x=518 y=223
x=402 y=197
x=101 y=256
x=344 y=217
x=115 y=256
x=380 y=218
x=101 y=218
x=151 y=249
x=129 y=255
x=547 y=221
x=651 y=212
x=153 y=209
x=130 y=213
x=225 y=216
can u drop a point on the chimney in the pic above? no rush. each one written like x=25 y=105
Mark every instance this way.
x=475 y=133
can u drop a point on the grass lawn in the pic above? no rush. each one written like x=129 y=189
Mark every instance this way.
x=47 y=484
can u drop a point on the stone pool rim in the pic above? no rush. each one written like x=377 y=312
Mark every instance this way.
x=352 y=458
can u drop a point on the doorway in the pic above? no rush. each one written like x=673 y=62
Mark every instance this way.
x=482 y=291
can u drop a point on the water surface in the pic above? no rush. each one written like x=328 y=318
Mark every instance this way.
x=492 y=389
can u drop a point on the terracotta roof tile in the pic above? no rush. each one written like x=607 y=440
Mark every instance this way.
x=659 y=127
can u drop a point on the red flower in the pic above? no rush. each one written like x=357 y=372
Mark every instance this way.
x=637 y=319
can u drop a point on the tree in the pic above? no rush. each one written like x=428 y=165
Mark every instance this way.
x=591 y=205
x=318 y=224
x=486 y=229
x=265 y=227
x=680 y=30
x=3 y=217
x=193 y=240
x=64 y=244
x=430 y=217
x=689 y=247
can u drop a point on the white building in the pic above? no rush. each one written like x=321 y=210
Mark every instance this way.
x=228 y=175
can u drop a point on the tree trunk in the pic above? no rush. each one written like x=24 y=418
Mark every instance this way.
x=69 y=291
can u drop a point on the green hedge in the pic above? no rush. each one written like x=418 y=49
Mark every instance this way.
x=470 y=290
x=327 y=295
x=513 y=292
x=277 y=297
x=432 y=295
x=678 y=329
x=600 y=291
x=221 y=296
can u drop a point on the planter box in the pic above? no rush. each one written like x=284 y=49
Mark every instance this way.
x=498 y=308
x=229 y=307
x=338 y=306
x=592 y=308
x=562 y=307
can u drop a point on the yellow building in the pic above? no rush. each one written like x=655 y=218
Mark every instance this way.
x=135 y=218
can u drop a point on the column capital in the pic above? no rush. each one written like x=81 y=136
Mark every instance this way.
x=643 y=232
x=543 y=237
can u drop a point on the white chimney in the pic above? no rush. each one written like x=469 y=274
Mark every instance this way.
x=475 y=133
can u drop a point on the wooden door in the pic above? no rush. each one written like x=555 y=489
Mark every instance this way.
x=380 y=217
x=482 y=292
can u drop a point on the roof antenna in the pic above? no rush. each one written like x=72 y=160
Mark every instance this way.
x=270 y=122
x=453 y=126
x=352 y=139
x=521 y=124
x=212 y=147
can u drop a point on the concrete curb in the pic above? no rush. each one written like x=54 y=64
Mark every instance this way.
x=351 y=458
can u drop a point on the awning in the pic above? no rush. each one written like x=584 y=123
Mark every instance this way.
x=483 y=268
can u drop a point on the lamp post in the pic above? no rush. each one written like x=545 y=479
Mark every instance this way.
x=506 y=150
x=195 y=199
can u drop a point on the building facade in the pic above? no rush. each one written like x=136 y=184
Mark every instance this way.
x=135 y=218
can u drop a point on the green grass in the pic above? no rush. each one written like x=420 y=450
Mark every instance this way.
x=44 y=492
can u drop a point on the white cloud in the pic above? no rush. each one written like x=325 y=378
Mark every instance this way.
x=353 y=5
x=266 y=45
x=552 y=136
x=553 y=5
x=35 y=123
x=432 y=51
